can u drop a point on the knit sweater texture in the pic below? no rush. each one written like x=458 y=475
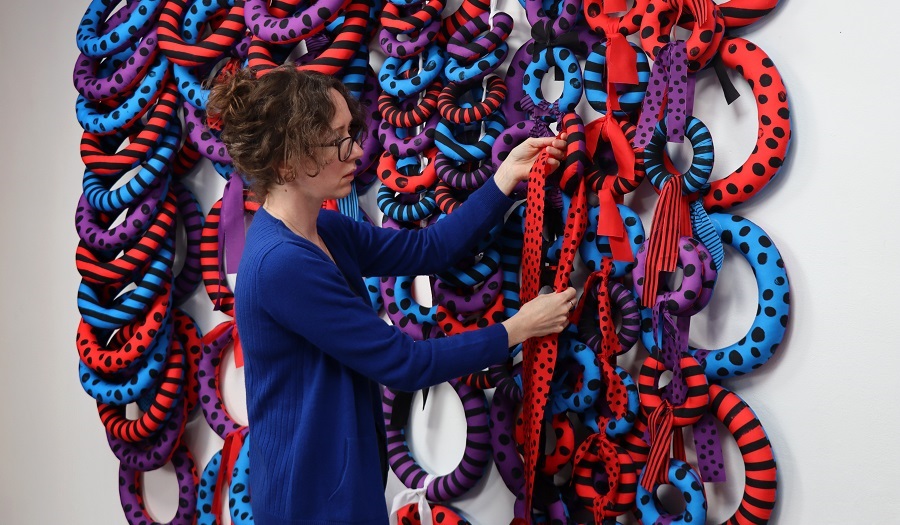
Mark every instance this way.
x=315 y=352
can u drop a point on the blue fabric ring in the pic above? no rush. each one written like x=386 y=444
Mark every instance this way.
x=137 y=381
x=631 y=97
x=773 y=310
x=595 y=247
x=100 y=197
x=139 y=20
x=478 y=68
x=391 y=206
x=567 y=62
x=701 y=165
x=393 y=68
x=101 y=120
x=448 y=144
x=688 y=483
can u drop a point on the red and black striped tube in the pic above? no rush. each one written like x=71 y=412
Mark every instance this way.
x=697 y=401
x=614 y=496
x=121 y=270
x=446 y=103
x=214 y=279
x=167 y=396
x=417 y=115
x=760 y=473
x=215 y=45
x=394 y=21
x=97 y=156
x=468 y=10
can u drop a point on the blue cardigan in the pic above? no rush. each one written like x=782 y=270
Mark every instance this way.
x=315 y=352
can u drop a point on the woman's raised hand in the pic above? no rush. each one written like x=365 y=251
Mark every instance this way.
x=518 y=164
x=545 y=314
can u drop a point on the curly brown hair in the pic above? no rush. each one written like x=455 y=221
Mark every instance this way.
x=275 y=120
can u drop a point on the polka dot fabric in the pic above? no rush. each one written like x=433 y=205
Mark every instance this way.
x=597 y=432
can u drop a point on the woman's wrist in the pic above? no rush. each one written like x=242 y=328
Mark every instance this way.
x=515 y=332
x=505 y=180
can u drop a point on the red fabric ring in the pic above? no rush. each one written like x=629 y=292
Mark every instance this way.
x=773 y=133
x=393 y=179
x=450 y=110
x=603 y=23
x=697 y=400
x=701 y=45
x=392 y=113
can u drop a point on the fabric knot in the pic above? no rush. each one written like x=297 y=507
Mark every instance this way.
x=418 y=496
x=621 y=60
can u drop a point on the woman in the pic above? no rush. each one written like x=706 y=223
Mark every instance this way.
x=314 y=349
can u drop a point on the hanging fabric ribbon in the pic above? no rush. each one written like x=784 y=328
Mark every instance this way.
x=238 y=349
x=540 y=352
x=728 y=89
x=230 y=450
x=705 y=232
x=231 y=227
x=669 y=75
x=659 y=425
x=418 y=496
x=621 y=59
x=670 y=223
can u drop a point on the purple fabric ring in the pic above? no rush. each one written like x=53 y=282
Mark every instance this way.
x=460 y=178
x=409 y=146
x=682 y=299
x=187 y=279
x=512 y=137
x=470 y=301
x=119 y=80
x=130 y=492
x=92 y=228
x=290 y=28
x=503 y=443
x=471 y=468
x=709 y=274
x=214 y=409
x=624 y=303
x=210 y=146
x=154 y=452
x=515 y=83
x=416 y=43
x=564 y=23
x=476 y=38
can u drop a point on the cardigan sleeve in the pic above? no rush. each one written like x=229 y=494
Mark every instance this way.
x=307 y=294
x=385 y=251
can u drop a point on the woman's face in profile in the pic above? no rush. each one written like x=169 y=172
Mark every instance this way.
x=336 y=176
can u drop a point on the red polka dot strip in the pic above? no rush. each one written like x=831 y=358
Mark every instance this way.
x=540 y=353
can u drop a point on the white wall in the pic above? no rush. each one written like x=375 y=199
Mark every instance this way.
x=827 y=399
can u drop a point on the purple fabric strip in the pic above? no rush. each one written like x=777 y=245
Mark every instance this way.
x=231 y=225
x=669 y=84
x=673 y=337
x=708 y=445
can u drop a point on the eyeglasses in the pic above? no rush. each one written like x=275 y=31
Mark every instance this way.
x=344 y=145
